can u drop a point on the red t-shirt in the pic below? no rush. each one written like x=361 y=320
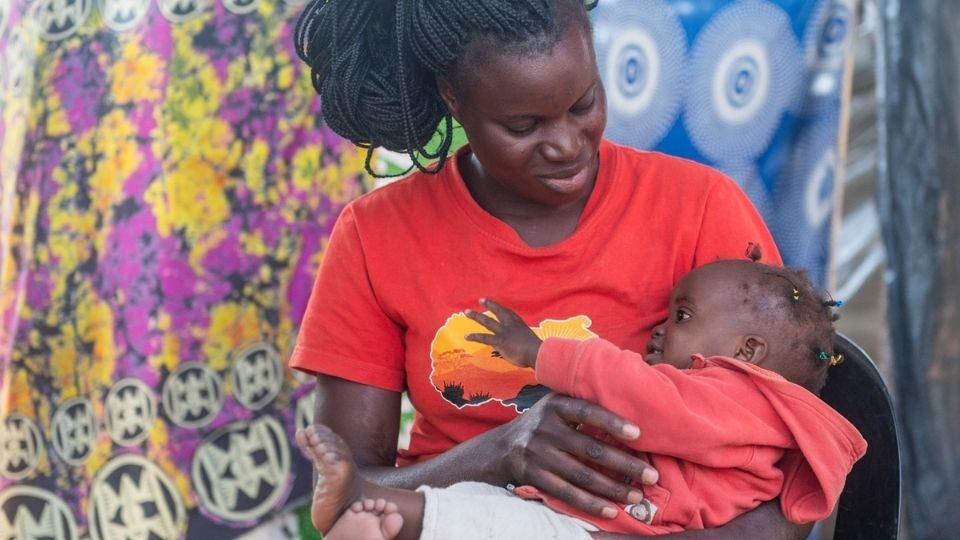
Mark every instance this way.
x=406 y=260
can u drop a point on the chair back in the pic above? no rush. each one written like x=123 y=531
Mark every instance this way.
x=869 y=506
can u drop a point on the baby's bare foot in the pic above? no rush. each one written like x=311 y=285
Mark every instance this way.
x=337 y=484
x=368 y=519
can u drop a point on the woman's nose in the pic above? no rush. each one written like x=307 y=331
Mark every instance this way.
x=564 y=143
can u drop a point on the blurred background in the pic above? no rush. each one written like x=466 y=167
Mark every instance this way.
x=167 y=186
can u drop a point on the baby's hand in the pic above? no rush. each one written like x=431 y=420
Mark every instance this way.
x=515 y=341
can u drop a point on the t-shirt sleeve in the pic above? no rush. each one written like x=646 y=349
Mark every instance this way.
x=731 y=227
x=345 y=331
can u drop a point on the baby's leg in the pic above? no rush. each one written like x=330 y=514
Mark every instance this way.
x=368 y=520
x=338 y=486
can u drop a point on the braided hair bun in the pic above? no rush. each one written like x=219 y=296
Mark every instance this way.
x=374 y=63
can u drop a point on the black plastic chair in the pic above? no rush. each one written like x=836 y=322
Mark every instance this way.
x=869 y=506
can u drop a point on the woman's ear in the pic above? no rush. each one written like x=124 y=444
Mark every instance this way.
x=752 y=349
x=449 y=96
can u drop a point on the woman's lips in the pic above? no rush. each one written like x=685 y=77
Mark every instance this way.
x=568 y=180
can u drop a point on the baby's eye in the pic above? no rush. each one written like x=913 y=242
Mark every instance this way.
x=682 y=315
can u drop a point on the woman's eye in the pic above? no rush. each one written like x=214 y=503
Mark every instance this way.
x=682 y=315
x=584 y=107
x=521 y=130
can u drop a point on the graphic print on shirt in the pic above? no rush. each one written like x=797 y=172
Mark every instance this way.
x=467 y=373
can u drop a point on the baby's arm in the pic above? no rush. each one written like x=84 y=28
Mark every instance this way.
x=512 y=338
x=681 y=413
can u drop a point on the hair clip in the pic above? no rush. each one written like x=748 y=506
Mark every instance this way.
x=796 y=294
x=834 y=359
x=839 y=303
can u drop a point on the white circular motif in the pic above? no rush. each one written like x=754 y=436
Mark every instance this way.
x=122 y=15
x=192 y=395
x=642 y=54
x=828 y=33
x=741 y=82
x=31 y=512
x=746 y=71
x=183 y=10
x=242 y=471
x=60 y=19
x=241 y=7
x=20 y=446
x=818 y=199
x=132 y=498
x=131 y=410
x=805 y=197
x=634 y=71
x=257 y=376
x=75 y=430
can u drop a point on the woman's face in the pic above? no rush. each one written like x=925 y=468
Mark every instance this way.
x=534 y=122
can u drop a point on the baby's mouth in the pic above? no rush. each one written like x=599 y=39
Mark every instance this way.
x=654 y=352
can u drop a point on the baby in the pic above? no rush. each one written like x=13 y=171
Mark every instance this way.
x=724 y=398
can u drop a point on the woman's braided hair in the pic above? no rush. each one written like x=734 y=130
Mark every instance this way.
x=375 y=62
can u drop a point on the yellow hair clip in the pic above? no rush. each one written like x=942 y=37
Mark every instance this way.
x=834 y=359
x=796 y=294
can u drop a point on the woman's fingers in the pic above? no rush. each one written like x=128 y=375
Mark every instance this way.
x=578 y=411
x=549 y=453
x=614 y=459
x=572 y=494
x=577 y=472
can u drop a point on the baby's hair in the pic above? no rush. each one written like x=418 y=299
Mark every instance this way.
x=375 y=62
x=800 y=312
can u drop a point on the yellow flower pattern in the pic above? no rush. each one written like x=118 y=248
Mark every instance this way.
x=167 y=187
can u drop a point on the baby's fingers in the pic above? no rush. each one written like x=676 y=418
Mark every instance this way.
x=486 y=339
x=503 y=314
x=483 y=320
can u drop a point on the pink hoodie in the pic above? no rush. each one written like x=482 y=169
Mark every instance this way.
x=725 y=436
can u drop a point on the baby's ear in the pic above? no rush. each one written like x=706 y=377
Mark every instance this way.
x=752 y=349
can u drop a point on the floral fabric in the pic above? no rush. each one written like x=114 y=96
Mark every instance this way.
x=166 y=191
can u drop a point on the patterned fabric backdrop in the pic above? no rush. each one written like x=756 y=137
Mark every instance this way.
x=167 y=190
x=751 y=87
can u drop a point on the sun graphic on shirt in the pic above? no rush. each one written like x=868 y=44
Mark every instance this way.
x=468 y=373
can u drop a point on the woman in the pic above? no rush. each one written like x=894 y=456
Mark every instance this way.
x=582 y=236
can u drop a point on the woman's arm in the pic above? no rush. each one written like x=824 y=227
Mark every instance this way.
x=766 y=521
x=541 y=447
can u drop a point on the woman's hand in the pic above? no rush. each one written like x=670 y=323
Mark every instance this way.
x=546 y=450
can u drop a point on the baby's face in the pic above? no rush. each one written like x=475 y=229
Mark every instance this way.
x=703 y=318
